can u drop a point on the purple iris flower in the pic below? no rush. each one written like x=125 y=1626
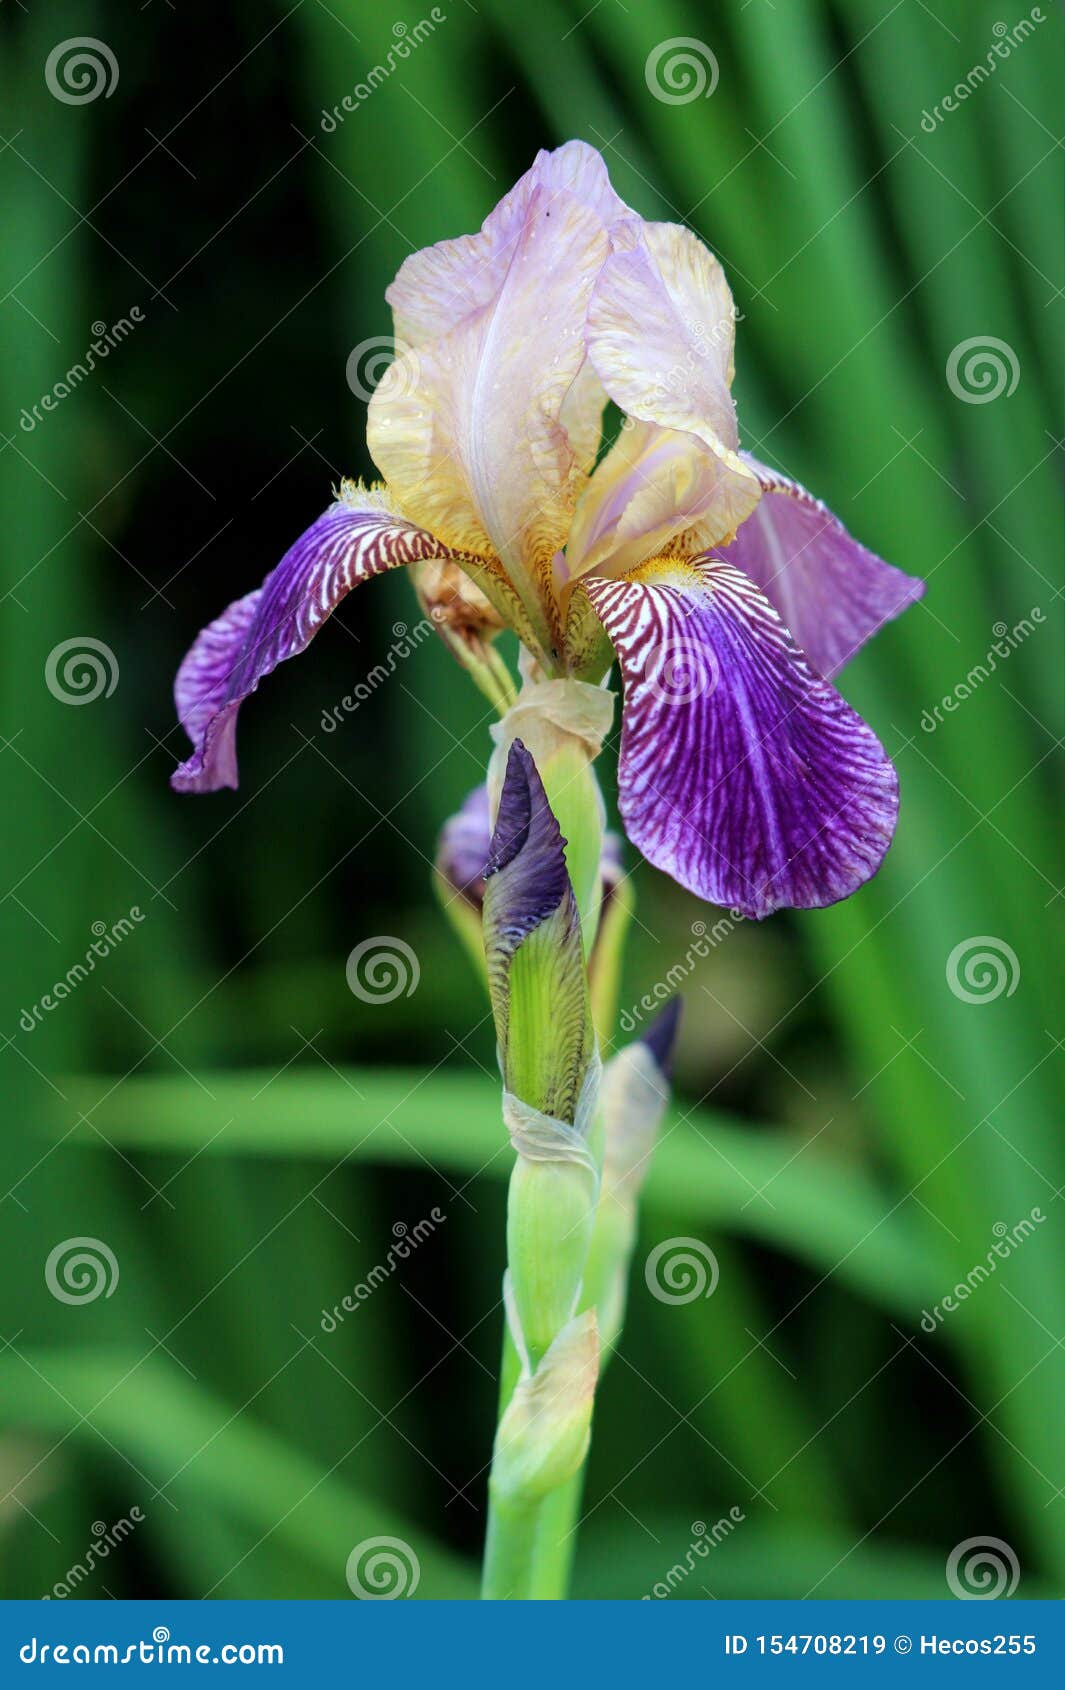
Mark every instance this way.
x=728 y=595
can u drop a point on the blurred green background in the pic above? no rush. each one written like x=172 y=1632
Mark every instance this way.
x=214 y=1105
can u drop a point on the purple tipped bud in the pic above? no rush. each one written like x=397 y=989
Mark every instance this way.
x=463 y=850
x=526 y=828
x=533 y=952
x=466 y=841
x=661 y=1037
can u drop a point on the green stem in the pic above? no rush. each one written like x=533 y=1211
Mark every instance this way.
x=556 y=1540
x=510 y=1549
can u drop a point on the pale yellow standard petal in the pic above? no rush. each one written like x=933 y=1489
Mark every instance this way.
x=661 y=330
x=468 y=428
x=439 y=287
x=654 y=487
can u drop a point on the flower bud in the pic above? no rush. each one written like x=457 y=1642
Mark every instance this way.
x=635 y=1092
x=616 y=910
x=539 y=990
x=632 y=1101
x=562 y=723
x=536 y=975
x=543 y=1434
x=458 y=873
x=467 y=623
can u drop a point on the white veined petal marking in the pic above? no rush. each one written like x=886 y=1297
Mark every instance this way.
x=679 y=669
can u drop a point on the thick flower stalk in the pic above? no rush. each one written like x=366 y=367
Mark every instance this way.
x=538 y=986
x=634 y=1093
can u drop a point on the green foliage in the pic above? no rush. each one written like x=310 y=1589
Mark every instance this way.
x=247 y=1135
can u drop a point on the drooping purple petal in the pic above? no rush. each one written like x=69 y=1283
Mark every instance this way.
x=832 y=593
x=355 y=538
x=743 y=774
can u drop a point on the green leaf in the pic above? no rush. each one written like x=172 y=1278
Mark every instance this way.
x=709 y=1170
x=178 y=1446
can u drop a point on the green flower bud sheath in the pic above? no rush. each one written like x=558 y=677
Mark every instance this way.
x=538 y=985
x=633 y=1097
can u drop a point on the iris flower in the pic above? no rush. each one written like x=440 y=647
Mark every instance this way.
x=727 y=594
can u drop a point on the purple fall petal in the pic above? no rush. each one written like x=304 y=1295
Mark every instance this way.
x=742 y=774
x=354 y=539
x=830 y=591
